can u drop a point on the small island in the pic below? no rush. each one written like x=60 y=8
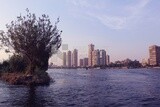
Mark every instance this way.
x=31 y=42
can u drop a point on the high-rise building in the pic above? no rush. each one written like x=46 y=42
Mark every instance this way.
x=107 y=59
x=95 y=58
x=81 y=62
x=85 y=62
x=75 y=58
x=154 y=55
x=102 y=57
x=90 y=49
x=69 y=60
x=64 y=59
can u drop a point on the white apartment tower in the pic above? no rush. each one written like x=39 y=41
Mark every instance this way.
x=75 y=58
x=90 y=49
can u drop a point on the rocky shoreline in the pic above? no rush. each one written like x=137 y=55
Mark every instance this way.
x=23 y=79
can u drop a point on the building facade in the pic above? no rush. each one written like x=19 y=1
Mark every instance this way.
x=81 y=62
x=85 y=62
x=69 y=59
x=95 y=58
x=154 y=55
x=102 y=58
x=107 y=59
x=64 y=59
x=90 y=50
x=75 y=58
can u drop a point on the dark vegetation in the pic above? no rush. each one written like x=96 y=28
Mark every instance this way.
x=15 y=63
x=126 y=63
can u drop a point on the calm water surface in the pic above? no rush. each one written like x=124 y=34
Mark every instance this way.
x=88 y=88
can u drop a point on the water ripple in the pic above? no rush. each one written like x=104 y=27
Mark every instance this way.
x=88 y=88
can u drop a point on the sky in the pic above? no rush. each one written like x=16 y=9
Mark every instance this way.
x=124 y=28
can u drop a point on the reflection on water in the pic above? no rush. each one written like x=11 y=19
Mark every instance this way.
x=34 y=99
x=88 y=88
x=31 y=100
x=22 y=96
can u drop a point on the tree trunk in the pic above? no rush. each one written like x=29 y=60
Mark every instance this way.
x=31 y=68
x=46 y=64
x=43 y=63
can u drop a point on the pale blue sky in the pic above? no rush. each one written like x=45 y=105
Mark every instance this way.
x=126 y=28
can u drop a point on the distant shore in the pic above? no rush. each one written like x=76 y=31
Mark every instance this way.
x=101 y=68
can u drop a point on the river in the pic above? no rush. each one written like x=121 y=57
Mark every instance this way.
x=88 y=88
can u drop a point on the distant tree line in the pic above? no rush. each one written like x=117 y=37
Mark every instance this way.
x=126 y=63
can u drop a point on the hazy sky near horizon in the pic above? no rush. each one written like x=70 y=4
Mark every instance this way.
x=125 y=28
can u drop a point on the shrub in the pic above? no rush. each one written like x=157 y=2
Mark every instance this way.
x=17 y=63
x=5 y=67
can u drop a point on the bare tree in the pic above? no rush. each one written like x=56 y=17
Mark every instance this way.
x=34 y=38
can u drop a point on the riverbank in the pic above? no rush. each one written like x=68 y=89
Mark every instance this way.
x=87 y=68
x=23 y=79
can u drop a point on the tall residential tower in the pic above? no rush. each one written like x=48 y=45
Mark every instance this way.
x=154 y=55
x=69 y=60
x=75 y=58
x=64 y=59
x=107 y=59
x=90 y=49
x=95 y=58
x=102 y=57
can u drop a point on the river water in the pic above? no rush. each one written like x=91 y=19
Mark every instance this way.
x=88 y=88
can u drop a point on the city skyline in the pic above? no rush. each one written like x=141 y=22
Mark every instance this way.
x=100 y=57
x=96 y=57
x=125 y=28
